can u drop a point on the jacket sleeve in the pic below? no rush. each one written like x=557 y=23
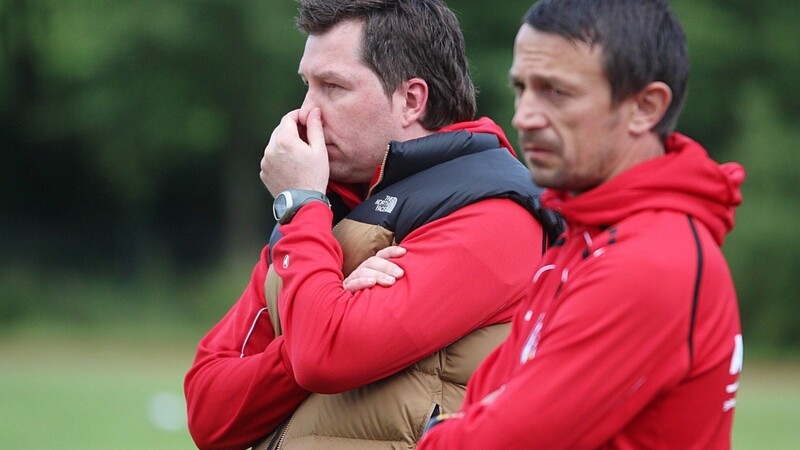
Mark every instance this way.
x=234 y=400
x=613 y=343
x=462 y=272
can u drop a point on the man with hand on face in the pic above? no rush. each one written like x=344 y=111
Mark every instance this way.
x=630 y=336
x=385 y=148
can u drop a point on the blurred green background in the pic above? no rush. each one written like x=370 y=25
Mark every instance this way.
x=132 y=211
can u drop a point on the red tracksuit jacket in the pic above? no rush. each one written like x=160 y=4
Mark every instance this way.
x=463 y=272
x=630 y=337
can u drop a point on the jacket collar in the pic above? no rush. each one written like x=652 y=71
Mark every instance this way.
x=405 y=158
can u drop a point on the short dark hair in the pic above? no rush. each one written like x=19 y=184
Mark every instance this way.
x=642 y=41
x=404 y=39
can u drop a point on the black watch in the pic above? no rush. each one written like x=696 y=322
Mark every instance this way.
x=288 y=202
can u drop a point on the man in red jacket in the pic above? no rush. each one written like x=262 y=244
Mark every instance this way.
x=630 y=337
x=386 y=130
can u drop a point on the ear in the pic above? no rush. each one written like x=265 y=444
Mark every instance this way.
x=412 y=98
x=650 y=105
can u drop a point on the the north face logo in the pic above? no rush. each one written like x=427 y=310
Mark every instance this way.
x=386 y=205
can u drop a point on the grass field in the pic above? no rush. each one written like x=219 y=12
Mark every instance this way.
x=93 y=393
x=768 y=406
x=114 y=392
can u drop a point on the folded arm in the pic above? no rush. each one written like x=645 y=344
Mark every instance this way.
x=461 y=272
x=234 y=400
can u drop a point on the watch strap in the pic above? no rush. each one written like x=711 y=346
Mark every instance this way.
x=299 y=198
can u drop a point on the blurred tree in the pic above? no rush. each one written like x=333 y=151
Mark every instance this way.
x=742 y=104
x=763 y=248
x=132 y=133
x=143 y=122
x=489 y=33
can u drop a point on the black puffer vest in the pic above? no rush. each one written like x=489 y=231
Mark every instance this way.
x=421 y=181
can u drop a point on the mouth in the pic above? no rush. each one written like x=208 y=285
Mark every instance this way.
x=536 y=154
x=539 y=154
x=536 y=150
x=537 y=146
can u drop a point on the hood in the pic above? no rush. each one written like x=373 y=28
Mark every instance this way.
x=353 y=195
x=685 y=179
x=482 y=125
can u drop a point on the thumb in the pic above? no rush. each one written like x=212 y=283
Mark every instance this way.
x=314 y=132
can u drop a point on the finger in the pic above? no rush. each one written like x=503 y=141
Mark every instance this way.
x=316 y=136
x=384 y=272
x=269 y=152
x=383 y=266
x=291 y=118
x=394 y=251
x=288 y=129
x=385 y=280
x=357 y=284
x=283 y=134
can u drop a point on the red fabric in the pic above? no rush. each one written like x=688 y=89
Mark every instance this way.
x=328 y=331
x=347 y=192
x=599 y=356
x=231 y=400
x=707 y=191
x=482 y=125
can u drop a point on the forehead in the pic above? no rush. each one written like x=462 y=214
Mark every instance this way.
x=543 y=54
x=337 y=50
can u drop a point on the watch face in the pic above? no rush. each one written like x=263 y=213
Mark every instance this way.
x=289 y=201
x=282 y=203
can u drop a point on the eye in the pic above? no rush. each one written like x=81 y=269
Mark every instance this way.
x=517 y=87
x=555 y=92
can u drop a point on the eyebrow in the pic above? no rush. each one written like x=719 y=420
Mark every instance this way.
x=515 y=78
x=327 y=75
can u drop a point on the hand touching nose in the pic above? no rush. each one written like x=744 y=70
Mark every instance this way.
x=289 y=161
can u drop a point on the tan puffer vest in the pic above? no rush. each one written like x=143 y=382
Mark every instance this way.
x=389 y=413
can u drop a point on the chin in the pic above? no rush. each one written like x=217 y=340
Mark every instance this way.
x=530 y=164
x=343 y=176
x=544 y=179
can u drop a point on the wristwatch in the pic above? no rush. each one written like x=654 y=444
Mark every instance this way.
x=288 y=202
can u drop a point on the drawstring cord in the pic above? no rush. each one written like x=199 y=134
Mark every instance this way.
x=252 y=327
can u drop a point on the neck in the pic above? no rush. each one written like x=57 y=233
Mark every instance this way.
x=414 y=131
x=640 y=149
x=637 y=150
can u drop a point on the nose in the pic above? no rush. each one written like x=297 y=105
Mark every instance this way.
x=308 y=104
x=528 y=112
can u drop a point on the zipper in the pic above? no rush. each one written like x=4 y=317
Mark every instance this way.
x=283 y=433
x=377 y=182
x=380 y=174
